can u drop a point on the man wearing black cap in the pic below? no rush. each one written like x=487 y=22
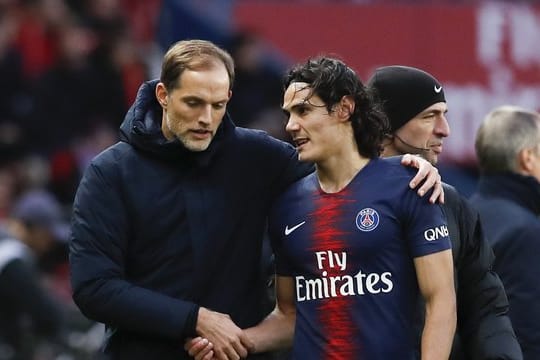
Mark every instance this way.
x=415 y=104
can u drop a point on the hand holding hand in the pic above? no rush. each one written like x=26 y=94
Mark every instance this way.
x=228 y=341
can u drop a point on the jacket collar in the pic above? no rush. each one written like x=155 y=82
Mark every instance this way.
x=524 y=190
x=142 y=129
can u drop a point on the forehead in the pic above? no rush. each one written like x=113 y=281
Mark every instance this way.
x=213 y=79
x=296 y=93
x=437 y=107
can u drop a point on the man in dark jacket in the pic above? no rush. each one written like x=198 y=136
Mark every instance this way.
x=168 y=223
x=415 y=104
x=508 y=199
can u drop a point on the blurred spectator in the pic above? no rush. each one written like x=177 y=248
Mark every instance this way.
x=116 y=54
x=10 y=68
x=35 y=36
x=508 y=199
x=11 y=183
x=257 y=87
x=7 y=191
x=38 y=220
x=28 y=314
x=66 y=166
x=194 y=19
x=75 y=96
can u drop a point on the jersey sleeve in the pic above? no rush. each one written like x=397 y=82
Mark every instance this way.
x=426 y=229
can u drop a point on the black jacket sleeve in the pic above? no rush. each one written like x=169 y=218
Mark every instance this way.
x=98 y=248
x=484 y=327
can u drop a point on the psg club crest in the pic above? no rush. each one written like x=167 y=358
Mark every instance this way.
x=367 y=219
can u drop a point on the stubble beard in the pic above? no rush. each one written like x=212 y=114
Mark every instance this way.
x=183 y=138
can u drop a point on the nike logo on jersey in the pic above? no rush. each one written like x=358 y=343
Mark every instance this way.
x=290 y=230
x=437 y=89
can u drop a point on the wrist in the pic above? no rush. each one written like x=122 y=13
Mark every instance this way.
x=202 y=316
x=251 y=345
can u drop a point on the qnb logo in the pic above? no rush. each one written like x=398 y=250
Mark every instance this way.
x=436 y=233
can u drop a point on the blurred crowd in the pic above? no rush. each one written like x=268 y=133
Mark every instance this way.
x=69 y=71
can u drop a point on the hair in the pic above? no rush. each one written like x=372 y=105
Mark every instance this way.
x=504 y=132
x=193 y=55
x=331 y=79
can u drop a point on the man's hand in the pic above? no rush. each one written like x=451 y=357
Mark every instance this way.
x=428 y=174
x=228 y=341
x=199 y=348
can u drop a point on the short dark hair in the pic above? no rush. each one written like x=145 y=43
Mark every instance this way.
x=193 y=55
x=331 y=79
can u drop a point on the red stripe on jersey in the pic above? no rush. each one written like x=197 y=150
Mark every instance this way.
x=335 y=314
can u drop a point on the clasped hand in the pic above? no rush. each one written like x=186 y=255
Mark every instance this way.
x=219 y=338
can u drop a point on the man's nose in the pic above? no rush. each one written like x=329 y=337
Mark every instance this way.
x=206 y=115
x=442 y=127
x=292 y=124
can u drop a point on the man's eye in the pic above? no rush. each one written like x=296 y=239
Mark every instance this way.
x=301 y=110
x=192 y=102
x=219 y=106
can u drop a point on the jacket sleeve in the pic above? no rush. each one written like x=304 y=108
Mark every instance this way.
x=484 y=326
x=98 y=247
x=291 y=170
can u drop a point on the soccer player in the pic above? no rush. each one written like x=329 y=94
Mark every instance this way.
x=354 y=246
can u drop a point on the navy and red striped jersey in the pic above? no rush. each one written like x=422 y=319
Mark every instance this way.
x=351 y=256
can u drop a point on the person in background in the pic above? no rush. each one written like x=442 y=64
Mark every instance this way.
x=28 y=312
x=257 y=86
x=415 y=103
x=508 y=199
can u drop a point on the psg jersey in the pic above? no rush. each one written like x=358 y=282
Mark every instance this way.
x=350 y=255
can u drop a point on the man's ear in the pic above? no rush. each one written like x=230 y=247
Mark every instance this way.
x=162 y=95
x=346 y=107
x=525 y=160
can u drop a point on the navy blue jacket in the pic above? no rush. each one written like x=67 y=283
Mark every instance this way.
x=159 y=231
x=509 y=206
